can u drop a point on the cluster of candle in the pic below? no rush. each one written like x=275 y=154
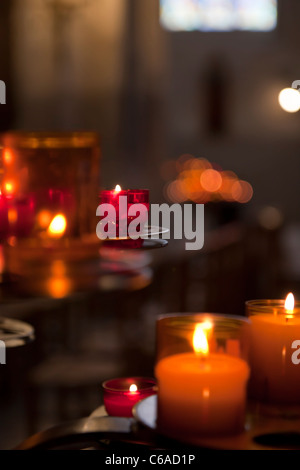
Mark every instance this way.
x=201 y=393
x=203 y=389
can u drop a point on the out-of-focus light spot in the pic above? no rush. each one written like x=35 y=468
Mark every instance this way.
x=242 y=191
x=197 y=180
x=58 y=268
x=57 y=226
x=228 y=179
x=199 y=164
x=58 y=287
x=12 y=215
x=7 y=156
x=270 y=218
x=118 y=188
x=12 y=241
x=9 y=187
x=44 y=218
x=289 y=100
x=175 y=193
x=211 y=180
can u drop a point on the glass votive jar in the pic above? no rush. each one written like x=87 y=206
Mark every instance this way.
x=121 y=394
x=46 y=175
x=202 y=372
x=119 y=225
x=274 y=386
x=48 y=199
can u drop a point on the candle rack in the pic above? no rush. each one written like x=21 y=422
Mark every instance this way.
x=106 y=432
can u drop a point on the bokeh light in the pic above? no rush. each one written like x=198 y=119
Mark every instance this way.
x=211 y=180
x=198 y=180
x=289 y=100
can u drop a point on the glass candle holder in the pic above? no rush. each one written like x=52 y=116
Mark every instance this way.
x=119 y=227
x=121 y=394
x=274 y=385
x=202 y=372
x=48 y=199
x=46 y=175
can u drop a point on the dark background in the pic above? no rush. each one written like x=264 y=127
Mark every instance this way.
x=153 y=95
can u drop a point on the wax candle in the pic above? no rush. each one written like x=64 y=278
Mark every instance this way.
x=122 y=208
x=201 y=393
x=121 y=394
x=275 y=379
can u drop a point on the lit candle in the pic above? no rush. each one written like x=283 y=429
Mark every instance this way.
x=201 y=393
x=120 y=395
x=275 y=379
x=122 y=207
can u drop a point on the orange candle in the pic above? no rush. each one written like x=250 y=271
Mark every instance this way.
x=201 y=393
x=275 y=378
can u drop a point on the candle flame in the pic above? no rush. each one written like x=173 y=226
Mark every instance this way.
x=57 y=226
x=9 y=187
x=289 y=303
x=133 y=388
x=118 y=188
x=200 y=343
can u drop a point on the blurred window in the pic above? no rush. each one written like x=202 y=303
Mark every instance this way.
x=218 y=15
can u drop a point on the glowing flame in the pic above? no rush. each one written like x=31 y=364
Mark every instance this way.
x=200 y=343
x=289 y=303
x=57 y=226
x=118 y=188
x=9 y=187
x=133 y=388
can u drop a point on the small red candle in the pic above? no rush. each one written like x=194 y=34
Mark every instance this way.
x=120 y=395
x=134 y=196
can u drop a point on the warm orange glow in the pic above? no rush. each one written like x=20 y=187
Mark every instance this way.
x=57 y=226
x=289 y=303
x=200 y=343
x=7 y=156
x=242 y=191
x=198 y=180
x=9 y=187
x=44 y=218
x=118 y=188
x=205 y=393
x=59 y=287
x=12 y=215
x=133 y=388
x=211 y=180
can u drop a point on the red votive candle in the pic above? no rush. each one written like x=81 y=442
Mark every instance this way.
x=134 y=196
x=120 y=395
